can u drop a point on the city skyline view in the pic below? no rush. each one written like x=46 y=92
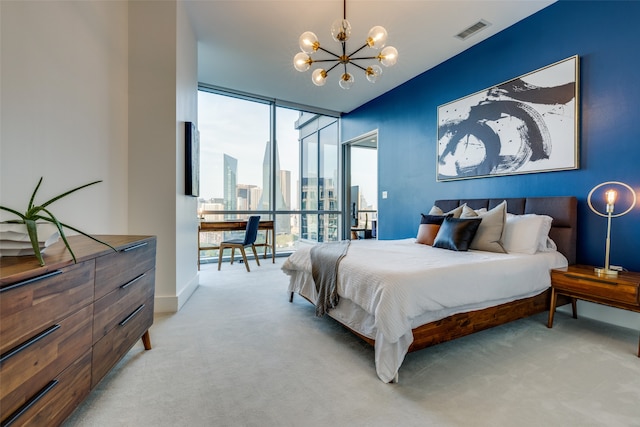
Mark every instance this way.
x=240 y=129
x=223 y=133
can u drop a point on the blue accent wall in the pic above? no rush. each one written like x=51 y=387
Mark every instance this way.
x=604 y=35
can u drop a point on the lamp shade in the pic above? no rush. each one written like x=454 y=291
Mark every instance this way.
x=377 y=37
x=308 y=42
x=319 y=77
x=341 y=30
x=373 y=73
x=388 y=56
x=301 y=61
x=610 y=185
x=346 y=81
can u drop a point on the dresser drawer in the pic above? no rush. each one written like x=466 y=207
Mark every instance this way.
x=111 y=309
x=118 y=268
x=54 y=402
x=31 y=306
x=110 y=349
x=29 y=367
x=613 y=289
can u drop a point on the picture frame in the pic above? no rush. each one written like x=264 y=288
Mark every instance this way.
x=192 y=159
x=526 y=125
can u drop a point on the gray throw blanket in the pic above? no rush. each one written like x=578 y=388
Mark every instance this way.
x=325 y=259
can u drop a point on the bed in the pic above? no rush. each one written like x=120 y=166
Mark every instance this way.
x=401 y=296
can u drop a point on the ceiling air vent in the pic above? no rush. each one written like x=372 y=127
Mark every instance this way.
x=473 y=29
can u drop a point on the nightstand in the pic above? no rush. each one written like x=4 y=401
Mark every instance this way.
x=581 y=282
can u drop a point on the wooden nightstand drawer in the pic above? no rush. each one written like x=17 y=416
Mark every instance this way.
x=28 y=368
x=32 y=305
x=118 y=268
x=585 y=283
x=54 y=402
x=110 y=349
x=118 y=304
x=582 y=282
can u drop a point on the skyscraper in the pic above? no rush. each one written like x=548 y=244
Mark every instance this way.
x=285 y=182
x=283 y=224
x=230 y=181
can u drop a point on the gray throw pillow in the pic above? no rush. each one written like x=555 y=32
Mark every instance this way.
x=489 y=235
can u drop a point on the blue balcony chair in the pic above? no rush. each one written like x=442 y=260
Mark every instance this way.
x=250 y=236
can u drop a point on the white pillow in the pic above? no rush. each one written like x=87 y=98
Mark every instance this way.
x=548 y=245
x=526 y=234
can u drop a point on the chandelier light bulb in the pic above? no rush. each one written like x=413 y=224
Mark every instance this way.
x=319 y=77
x=377 y=37
x=341 y=30
x=373 y=73
x=346 y=81
x=388 y=56
x=302 y=62
x=308 y=42
x=611 y=196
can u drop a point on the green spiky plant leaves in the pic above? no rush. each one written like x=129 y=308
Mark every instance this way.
x=41 y=212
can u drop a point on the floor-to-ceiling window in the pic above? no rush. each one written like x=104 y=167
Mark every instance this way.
x=294 y=180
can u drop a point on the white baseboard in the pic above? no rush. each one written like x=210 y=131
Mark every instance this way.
x=171 y=303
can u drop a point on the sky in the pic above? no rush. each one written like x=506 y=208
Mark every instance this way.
x=241 y=129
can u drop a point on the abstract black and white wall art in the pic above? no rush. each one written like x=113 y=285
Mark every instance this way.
x=526 y=125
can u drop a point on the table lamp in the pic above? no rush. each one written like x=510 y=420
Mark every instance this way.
x=611 y=196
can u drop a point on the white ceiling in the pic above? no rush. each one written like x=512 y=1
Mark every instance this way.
x=248 y=45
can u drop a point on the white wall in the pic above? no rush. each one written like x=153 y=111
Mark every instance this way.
x=63 y=109
x=90 y=90
x=186 y=111
x=152 y=130
x=162 y=96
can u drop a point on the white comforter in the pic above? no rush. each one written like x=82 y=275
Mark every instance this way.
x=399 y=285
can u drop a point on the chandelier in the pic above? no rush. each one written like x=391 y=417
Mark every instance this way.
x=341 y=31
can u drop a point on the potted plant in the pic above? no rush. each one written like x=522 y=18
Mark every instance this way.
x=38 y=213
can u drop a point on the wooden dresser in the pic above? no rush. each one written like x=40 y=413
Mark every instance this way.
x=64 y=326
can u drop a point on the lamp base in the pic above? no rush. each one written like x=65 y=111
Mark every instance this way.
x=605 y=272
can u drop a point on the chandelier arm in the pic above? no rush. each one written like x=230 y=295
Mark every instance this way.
x=327 y=51
x=359 y=49
x=363 y=57
x=356 y=65
x=334 y=66
x=326 y=60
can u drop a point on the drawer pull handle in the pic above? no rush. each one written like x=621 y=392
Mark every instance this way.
x=139 y=245
x=33 y=279
x=590 y=279
x=131 y=316
x=132 y=281
x=29 y=403
x=28 y=343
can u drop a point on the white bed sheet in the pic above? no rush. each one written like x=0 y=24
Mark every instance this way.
x=388 y=287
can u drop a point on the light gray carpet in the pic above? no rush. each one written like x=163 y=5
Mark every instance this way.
x=239 y=354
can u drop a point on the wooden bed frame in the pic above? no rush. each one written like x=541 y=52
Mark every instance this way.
x=563 y=210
